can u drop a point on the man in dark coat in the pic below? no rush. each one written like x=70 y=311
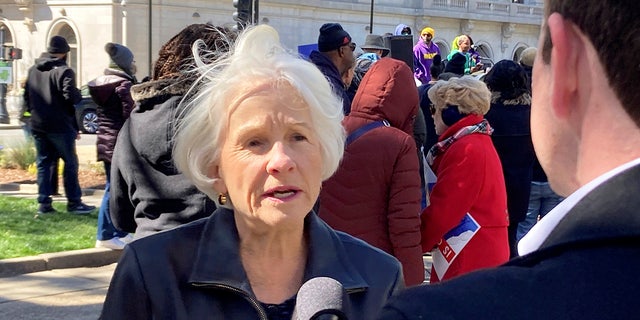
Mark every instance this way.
x=334 y=57
x=50 y=96
x=581 y=260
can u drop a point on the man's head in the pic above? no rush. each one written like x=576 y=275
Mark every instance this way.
x=427 y=34
x=58 y=46
x=617 y=44
x=585 y=114
x=336 y=43
x=374 y=43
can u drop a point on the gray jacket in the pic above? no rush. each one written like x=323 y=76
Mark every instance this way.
x=148 y=193
x=194 y=272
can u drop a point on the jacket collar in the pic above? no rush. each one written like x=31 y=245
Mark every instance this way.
x=610 y=211
x=158 y=91
x=606 y=215
x=218 y=262
x=468 y=120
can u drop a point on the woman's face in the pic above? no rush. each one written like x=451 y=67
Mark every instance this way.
x=270 y=162
x=437 y=120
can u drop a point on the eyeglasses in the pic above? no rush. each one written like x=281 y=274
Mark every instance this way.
x=352 y=46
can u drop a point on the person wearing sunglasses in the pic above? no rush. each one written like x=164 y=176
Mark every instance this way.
x=334 y=58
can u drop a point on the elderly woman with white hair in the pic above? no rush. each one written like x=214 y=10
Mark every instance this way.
x=262 y=131
x=465 y=224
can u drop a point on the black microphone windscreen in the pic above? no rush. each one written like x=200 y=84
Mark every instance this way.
x=320 y=298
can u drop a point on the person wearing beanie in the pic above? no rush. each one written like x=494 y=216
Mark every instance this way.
x=148 y=194
x=334 y=57
x=50 y=96
x=423 y=53
x=111 y=93
x=456 y=64
x=121 y=58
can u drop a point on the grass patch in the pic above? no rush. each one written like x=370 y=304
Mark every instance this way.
x=23 y=234
x=21 y=154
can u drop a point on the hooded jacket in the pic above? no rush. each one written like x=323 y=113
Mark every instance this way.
x=399 y=28
x=375 y=194
x=195 y=272
x=148 y=194
x=111 y=92
x=51 y=95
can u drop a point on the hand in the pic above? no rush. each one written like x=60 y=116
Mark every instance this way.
x=477 y=67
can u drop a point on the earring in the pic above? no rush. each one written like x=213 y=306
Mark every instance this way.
x=222 y=199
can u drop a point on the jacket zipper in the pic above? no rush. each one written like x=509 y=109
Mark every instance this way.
x=253 y=302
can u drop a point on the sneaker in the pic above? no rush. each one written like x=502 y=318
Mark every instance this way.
x=114 y=244
x=79 y=208
x=46 y=208
x=127 y=239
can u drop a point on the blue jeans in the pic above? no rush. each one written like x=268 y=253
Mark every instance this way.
x=49 y=147
x=541 y=200
x=106 y=229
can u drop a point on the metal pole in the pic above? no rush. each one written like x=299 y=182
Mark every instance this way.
x=256 y=12
x=150 y=41
x=371 y=19
x=4 y=115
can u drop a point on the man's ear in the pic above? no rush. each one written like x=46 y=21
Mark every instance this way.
x=565 y=68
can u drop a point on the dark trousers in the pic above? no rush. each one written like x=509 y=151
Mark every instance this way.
x=49 y=147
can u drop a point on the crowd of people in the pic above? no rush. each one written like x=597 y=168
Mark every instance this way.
x=240 y=172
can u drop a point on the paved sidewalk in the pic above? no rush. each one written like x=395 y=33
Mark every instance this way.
x=71 y=294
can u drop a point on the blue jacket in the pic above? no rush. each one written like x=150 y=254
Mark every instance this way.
x=194 y=272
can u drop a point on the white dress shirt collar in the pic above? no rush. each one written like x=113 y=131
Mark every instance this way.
x=541 y=230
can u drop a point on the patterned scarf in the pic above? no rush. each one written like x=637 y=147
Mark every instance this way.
x=442 y=146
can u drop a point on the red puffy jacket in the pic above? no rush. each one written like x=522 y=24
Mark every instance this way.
x=375 y=194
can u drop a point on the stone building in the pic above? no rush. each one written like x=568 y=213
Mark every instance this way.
x=500 y=29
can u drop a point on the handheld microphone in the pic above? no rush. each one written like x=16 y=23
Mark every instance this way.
x=320 y=298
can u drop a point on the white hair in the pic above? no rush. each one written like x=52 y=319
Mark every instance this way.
x=257 y=59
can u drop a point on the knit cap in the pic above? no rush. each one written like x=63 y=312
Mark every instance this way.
x=58 y=44
x=332 y=37
x=456 y=64
x=428 y=30
x=120 y=55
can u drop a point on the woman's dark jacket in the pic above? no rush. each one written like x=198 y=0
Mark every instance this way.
x=194 y=272
x=511 y=137
x=148 y=194
x=112 y=93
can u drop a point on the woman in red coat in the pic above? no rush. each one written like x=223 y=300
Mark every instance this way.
x=465 y=225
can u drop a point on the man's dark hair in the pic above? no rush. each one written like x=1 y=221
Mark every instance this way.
x=613 y=27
